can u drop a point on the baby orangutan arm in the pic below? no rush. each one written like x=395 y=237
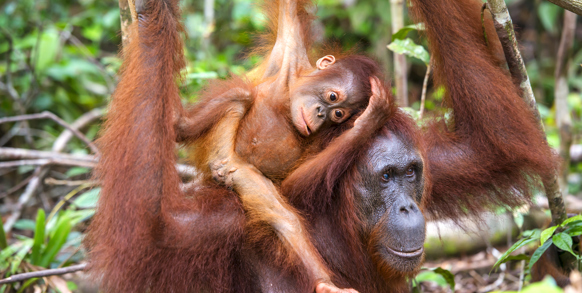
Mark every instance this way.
x=199 y=119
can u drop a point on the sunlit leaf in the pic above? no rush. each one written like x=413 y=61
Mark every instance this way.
x=564 y=242
x=572 y=219
x=47 y=48
x=408 y=47
x=88 y=199
x=431 y=276
x=547 y=233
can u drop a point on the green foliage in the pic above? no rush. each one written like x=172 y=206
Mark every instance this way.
x=38 y=237
x=52 y=238
x=529 y=237
x=562 y=239
x=3 y=242
x=439 y=276
x=403 y=32
x=548 y=14
x=408 y=47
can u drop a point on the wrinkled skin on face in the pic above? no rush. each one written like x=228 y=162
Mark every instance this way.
x=389 y=196
x=328 y=95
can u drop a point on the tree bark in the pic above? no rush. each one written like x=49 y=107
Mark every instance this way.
x=127 y=15
x=572 y=5
x=400 y=66
x=563 y=118
x=504 y=27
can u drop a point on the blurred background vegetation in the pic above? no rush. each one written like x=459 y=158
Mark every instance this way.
x=61 y=56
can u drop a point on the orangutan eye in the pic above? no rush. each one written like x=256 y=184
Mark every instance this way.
x=338 y=114
x=410 y=172
x=333 y=97
x=385 y=176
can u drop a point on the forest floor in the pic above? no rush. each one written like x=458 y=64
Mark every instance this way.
x=474 y=274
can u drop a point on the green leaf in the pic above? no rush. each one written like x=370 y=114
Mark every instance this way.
x=72 y=286
x=515 y=258
x=548 y=14
x=564 y=242
x=538 y=253
x=26 y=284
x=408 y=47
x=449 y=277
x=25 y=224
x=38 y=237
x=3 y=242
x=572 y=219
x=87 y=200
x=47 y=48
x=56 y=242
x=547 y=233
x=574 y=229
x=77 y=171
x=17 y=260
x=431 y=276
x=522 y=242
x=403 y=32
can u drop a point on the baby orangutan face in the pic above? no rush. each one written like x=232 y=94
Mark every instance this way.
x=328 y=95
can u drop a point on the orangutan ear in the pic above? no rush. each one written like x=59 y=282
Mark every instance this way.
x=325 y=61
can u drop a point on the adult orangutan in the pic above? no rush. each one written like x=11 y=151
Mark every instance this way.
x=362 y=195
x=244 y=134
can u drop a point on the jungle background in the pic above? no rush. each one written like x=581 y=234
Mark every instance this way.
x=61 y=57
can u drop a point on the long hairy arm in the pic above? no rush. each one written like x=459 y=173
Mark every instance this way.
x=494 y=150
x=137 y=143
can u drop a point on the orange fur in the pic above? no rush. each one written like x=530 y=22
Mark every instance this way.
x=148 y=236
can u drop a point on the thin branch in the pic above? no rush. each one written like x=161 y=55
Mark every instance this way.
x=31 y=188
x=504 y=27
x=43 y=273
x=563 y=118
x=81 y=122
x=424 y=85
x=572 y=5
x=41 y=171
x=53 y=181
x=45 y=162
x=49 y=115
x=24 y=154
x=68 y=159
x=16 y=187
x=10 y=134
